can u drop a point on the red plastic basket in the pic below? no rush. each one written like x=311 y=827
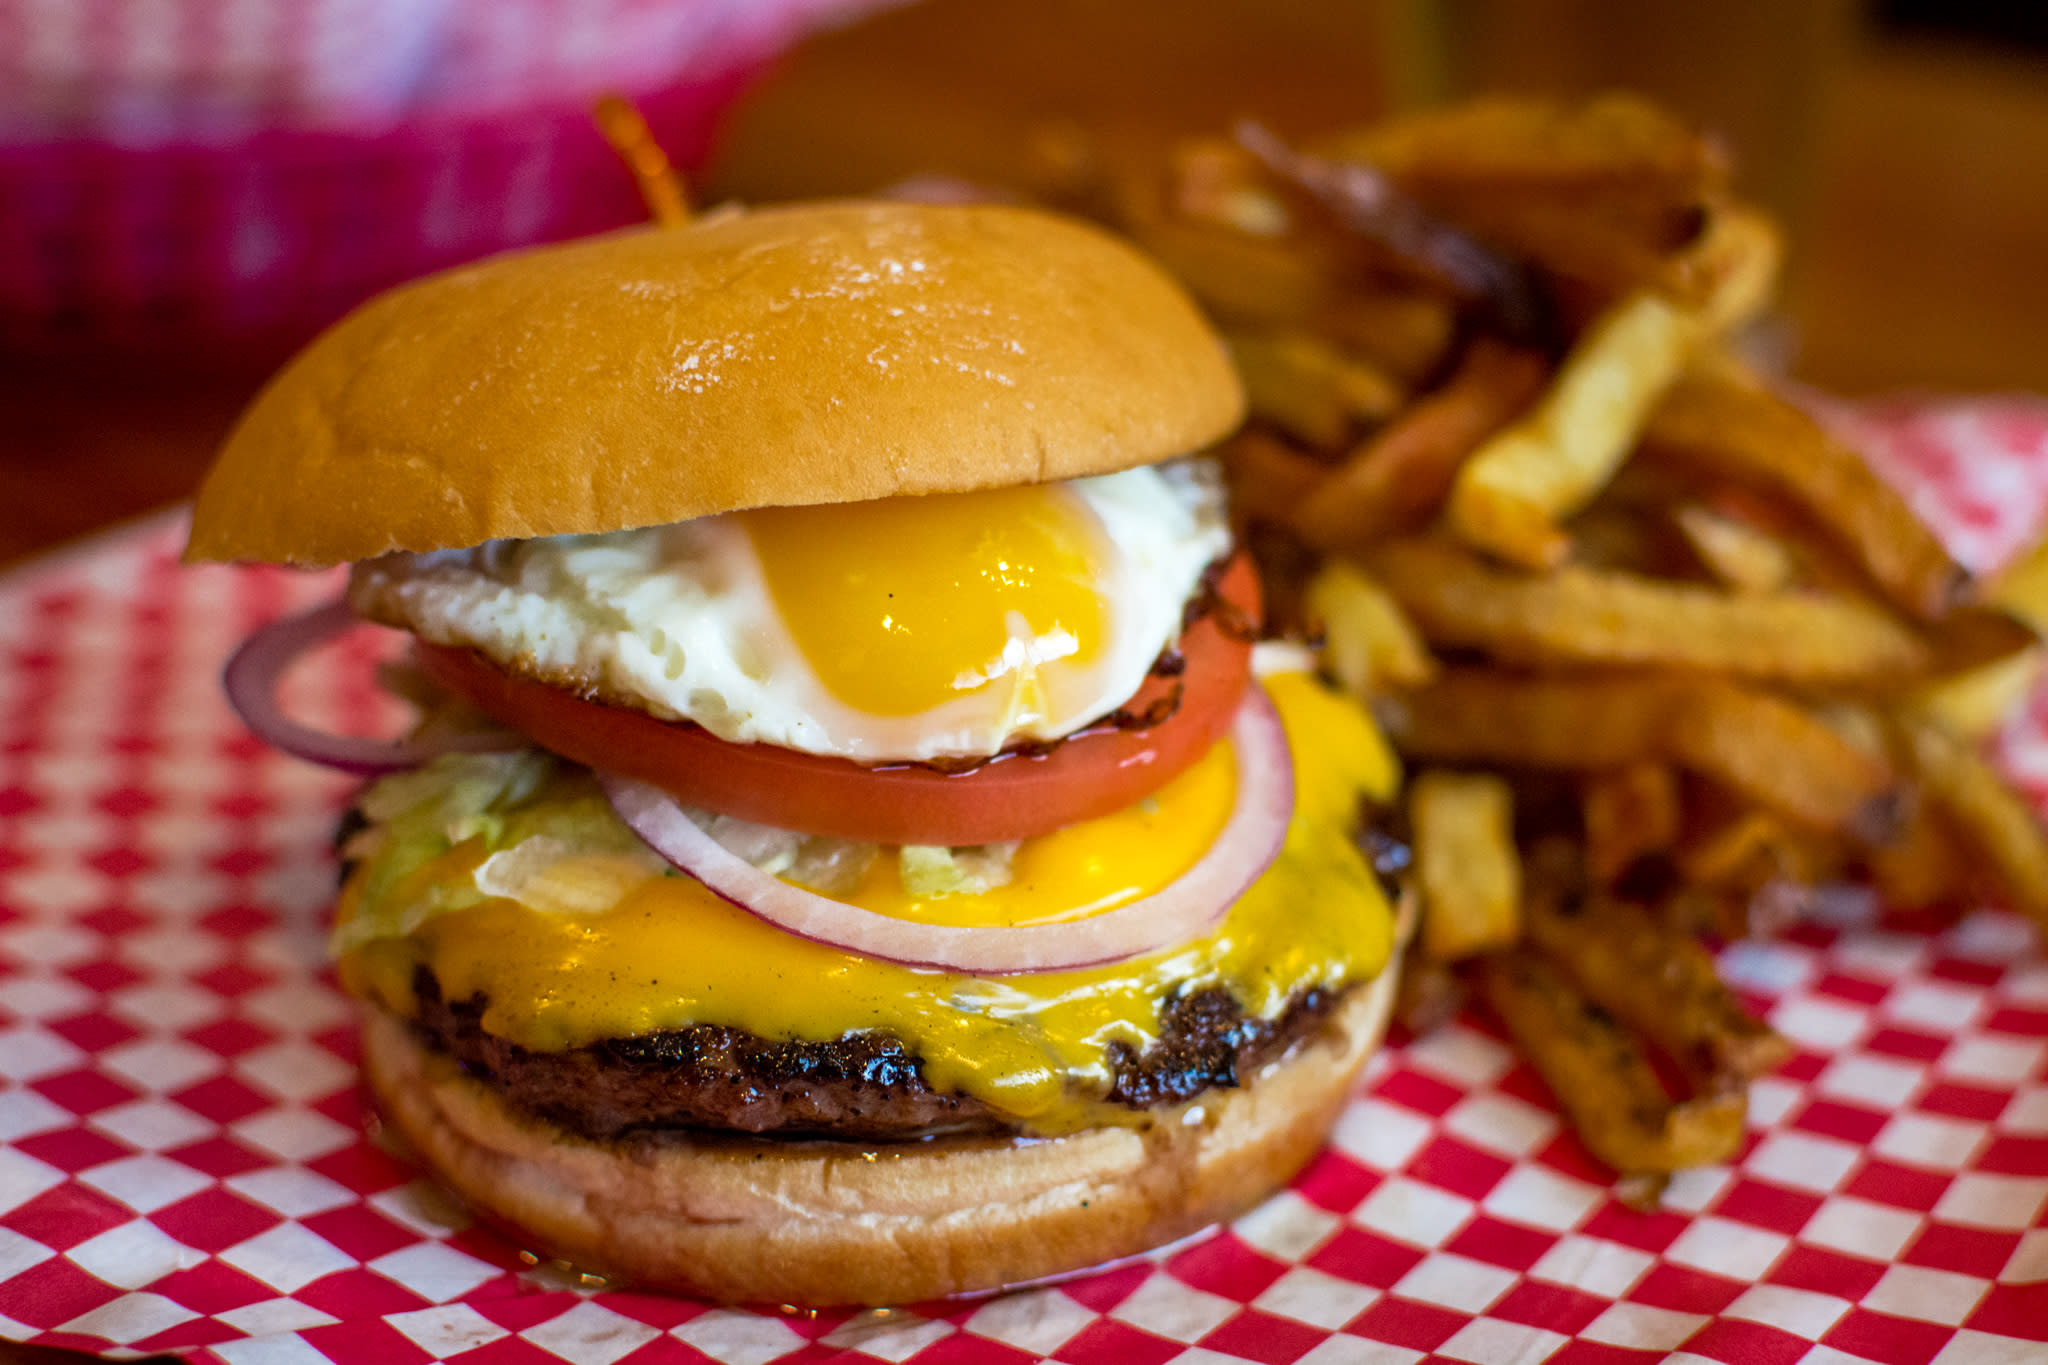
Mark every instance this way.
x=251 y=168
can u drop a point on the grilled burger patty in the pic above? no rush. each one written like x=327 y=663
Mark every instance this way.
x=862 y=1087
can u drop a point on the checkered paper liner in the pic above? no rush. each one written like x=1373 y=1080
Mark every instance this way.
x=187 y=1163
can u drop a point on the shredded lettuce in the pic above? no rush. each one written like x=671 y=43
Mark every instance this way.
x=493 y=804
x=540 y=832
x=830 y=866
x=421 y=814
x=553 y=876
x=931 y=870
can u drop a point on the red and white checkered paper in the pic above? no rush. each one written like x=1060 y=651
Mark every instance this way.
x=187 y=1163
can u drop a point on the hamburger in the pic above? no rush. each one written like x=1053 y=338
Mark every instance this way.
x=856 y=852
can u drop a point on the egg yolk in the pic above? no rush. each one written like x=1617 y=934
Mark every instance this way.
x=1085 y=869
x=903 y=604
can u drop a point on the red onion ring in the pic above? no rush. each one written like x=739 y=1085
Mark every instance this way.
x=1194 y=902
x=251 y=677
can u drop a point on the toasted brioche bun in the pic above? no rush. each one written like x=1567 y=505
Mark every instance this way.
x=821 y=1224
x=811 y=354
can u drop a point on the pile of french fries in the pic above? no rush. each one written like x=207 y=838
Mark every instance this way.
x=1665 y=659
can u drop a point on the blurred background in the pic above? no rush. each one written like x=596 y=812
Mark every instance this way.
x=189 y=189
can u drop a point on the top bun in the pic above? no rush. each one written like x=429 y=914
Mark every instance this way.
x=811 y=354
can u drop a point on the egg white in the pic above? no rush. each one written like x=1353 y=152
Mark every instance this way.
x=677 y=620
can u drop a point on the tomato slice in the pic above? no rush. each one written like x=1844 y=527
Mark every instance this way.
x=1012 y=796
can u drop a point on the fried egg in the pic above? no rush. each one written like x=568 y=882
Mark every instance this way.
x=912 y=628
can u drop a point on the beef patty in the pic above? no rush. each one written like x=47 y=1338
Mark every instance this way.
x=863 y=1087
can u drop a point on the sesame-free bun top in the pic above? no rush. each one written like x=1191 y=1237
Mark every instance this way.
x=814 y=353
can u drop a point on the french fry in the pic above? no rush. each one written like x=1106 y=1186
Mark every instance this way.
x=1391 y=234
x=1720 y=423
x=1367 y=643
x=2021 y=587
x=1924 y=864
x=1600 y=190
x=1611 y=537
x=1478 y=715
x=1705 y=911
x=1730 y=854
x=1244 y=279
x=1268 y=478
x=1307 y=387
x=1601 y=1076
x=1989 y=818
x=1408 y=332
x=1215 y=180
x=1643 y=542
x=1765 y=748
x=1974 y=703
x=1662 y=985
x=1466 y=867
x=1397 y=479
x=1778 y=755
x=1752 y=848
x=1589 y=616
x=661 y=188
x=1744 y=557
x=1511 y=494
x=1731 y=273
x=1973 y=640
x=1510 y=144
x=1862 y=725
x=1629 y=813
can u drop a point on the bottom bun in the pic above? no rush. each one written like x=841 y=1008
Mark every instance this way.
x=826 y=1223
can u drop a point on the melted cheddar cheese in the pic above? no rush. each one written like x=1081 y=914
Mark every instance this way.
x=1037 y=1048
